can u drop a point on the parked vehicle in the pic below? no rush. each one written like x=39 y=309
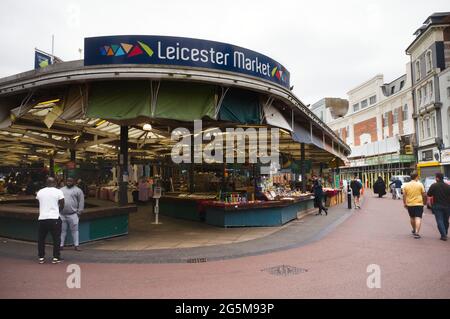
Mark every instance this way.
x=427 y=182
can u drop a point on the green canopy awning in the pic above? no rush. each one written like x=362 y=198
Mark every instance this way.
x=241 y=107
x=124 y=100
x=119 y=100
x=185 y=101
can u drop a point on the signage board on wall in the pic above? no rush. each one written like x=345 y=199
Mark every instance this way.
x=165 y=50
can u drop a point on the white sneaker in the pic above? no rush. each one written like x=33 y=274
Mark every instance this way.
x=41 y=260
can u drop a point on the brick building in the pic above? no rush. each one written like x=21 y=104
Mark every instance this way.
x=377 y=125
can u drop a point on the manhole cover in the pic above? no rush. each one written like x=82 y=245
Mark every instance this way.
x=197 y=260
x=284 y=270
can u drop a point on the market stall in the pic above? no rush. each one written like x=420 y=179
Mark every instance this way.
x=100 y=219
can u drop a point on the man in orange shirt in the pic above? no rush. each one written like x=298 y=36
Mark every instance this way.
x=414 y=197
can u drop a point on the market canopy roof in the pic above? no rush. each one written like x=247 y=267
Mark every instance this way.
x=69 y=106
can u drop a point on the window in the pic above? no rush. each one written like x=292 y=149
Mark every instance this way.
x=422 y=128
x=373 y=99
x=427 y=127
x=425 y=94
x=430 y=89
x=395 y=116
x=417 y=70
x=419 y=97
x=405 y=112
x=433 y=125
x=363 y=104
x=385 y=119
x=402 y=84
x=448 y=92
x=355 y=107
x=428 y=61
x=393 y=89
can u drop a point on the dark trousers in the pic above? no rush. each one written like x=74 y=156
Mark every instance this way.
x=54 y=227
x=319 y=204
x=442 y=215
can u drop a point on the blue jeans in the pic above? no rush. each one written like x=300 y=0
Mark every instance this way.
x=442 y=214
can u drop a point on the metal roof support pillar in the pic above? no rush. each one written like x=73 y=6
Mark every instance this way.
x=191 y=170
x=302 y=167
x=123 y=163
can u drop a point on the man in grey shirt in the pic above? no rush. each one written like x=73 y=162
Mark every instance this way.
x=70 y=215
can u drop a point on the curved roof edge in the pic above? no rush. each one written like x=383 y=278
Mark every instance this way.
x=75 y=71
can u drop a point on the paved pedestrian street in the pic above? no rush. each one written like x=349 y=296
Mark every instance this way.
x=368 y=254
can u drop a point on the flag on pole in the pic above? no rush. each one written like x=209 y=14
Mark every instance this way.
x=42 y=59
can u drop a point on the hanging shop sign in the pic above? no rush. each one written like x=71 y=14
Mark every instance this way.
x=445 y=156
x=164 y=50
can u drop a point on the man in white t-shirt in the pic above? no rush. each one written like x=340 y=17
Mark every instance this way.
x=51 y=200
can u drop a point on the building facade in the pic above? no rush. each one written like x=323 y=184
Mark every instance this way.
x=430 y=60
x=378 y=126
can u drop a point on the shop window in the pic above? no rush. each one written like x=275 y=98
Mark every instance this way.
x=373 y=99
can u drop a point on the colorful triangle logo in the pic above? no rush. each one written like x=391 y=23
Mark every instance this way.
x=120 y=52
x=135 y=51
x=114 y=47
x=146 y=48
x=126 y=47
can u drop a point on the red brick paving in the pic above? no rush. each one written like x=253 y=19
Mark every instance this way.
x=377 y=234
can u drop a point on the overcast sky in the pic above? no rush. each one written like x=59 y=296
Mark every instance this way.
x=329 y=47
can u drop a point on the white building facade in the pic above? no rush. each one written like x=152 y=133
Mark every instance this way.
x=430 y=60
x=379 y=128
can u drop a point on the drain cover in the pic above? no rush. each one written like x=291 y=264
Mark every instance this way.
x=197 y=260
x=284 y=270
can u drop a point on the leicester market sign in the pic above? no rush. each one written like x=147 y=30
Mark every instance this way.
x=164 y=50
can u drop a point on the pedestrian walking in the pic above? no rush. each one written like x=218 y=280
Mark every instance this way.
x=318 y=197
x=440 y=191
x=396 y=187
x=379 y=187
x=414 y=197
x=51 y=200
x=356 y=187
x=70 y=215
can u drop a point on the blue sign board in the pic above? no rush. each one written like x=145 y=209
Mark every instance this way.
x=164 y=50
x=41 y=59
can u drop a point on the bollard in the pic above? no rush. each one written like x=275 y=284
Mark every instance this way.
x=349 y=197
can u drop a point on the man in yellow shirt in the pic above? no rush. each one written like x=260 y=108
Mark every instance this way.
x=414 y=197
